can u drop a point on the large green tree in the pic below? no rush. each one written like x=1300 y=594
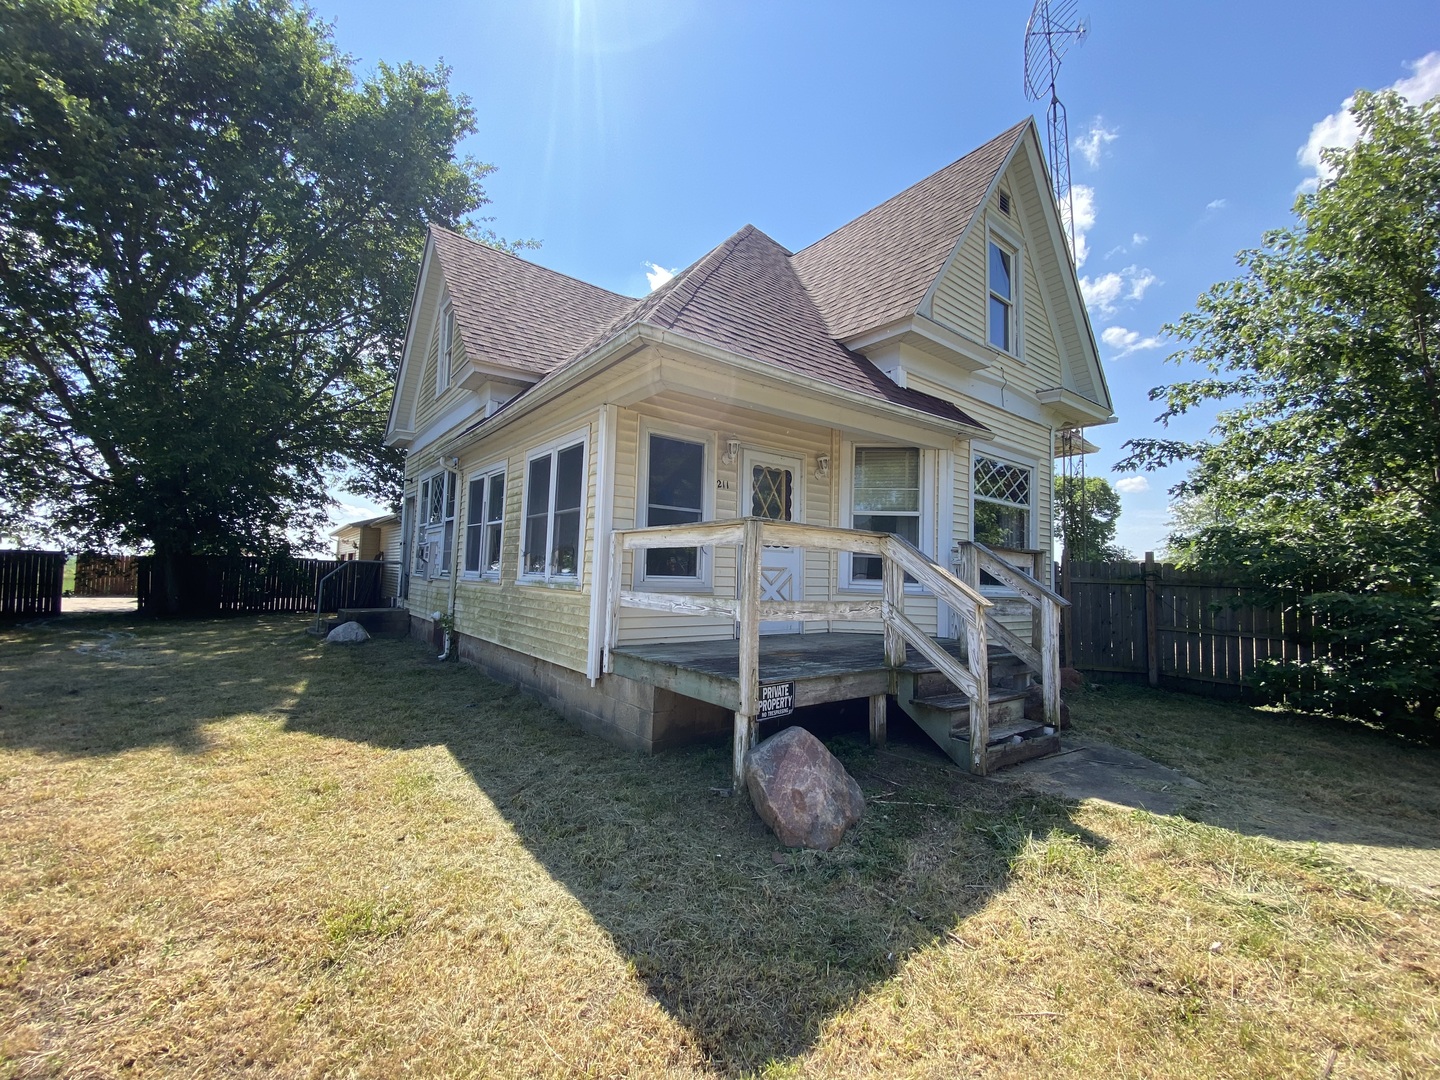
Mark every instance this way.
x=1087 y=512
x=209 y=229
x=1323 y=473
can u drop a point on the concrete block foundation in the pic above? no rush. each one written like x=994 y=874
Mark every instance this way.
x=635 y=715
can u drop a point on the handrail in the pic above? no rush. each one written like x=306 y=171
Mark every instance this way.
x=751 y=535
x=1001 y=570
x=1042 y=654
x=320 y=595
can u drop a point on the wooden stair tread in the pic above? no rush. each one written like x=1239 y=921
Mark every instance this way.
x=1002 y=731
x=957 y=701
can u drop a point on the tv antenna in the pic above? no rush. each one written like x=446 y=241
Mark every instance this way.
x=1053 y=30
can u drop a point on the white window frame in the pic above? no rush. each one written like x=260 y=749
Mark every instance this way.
x=484 y=476
x=1019 y=461
x=705 y=561
x=432 y=542
x=444 y=366
x=552 y=450
x=847 y=582
x=1011 y=245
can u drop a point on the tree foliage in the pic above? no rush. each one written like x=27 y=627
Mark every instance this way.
x=1323 y=475
x=1086 y=515
x=209 y=230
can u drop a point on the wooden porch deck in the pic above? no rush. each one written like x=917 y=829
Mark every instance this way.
x=824 y=667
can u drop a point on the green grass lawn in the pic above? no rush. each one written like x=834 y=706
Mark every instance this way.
x=226 y=849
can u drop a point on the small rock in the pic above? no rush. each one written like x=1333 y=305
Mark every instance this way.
x=350 y=633
x=801 y=791
x=1071 y=680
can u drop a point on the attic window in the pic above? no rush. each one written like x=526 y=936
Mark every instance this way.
x=1005 y=203
x=444 y=367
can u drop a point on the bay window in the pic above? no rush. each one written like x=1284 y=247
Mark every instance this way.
x=1004 y=501
x=435 y=525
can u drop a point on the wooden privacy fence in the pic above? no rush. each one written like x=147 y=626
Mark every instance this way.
x=31 y=582
x=237 y=585
x=104 y=575
x=1181 y=629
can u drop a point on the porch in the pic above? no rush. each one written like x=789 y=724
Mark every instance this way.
x=967 y=693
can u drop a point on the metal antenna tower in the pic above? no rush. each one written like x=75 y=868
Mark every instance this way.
x=1053 y=30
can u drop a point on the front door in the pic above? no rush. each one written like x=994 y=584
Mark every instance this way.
x=774 y=484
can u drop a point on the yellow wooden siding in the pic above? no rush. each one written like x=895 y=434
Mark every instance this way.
x=672 y=412
x=959 y=300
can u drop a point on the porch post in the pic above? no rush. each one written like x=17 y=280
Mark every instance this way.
x=749 y=646
x=877 y=720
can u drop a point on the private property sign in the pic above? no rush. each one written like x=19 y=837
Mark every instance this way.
x=776 y=699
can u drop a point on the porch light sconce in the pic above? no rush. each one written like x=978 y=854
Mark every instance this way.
x=732 y=451
x=822 y=467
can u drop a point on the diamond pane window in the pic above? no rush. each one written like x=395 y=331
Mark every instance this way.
x=1002 y=503
x=770 y=493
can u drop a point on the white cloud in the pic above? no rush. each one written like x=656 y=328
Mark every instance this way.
x=1083 y=198
x=1139 y=240
x=1125 y=342
x=1132 y=485
x=1217 y=204
x=1104 y=293
x=1094 y=141
x=1340 y=130
x=657 y=275
x=1140 y=280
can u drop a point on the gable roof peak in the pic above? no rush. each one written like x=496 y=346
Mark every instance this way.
x=876 y=269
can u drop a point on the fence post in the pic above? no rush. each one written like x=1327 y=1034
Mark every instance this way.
x=1152 y=615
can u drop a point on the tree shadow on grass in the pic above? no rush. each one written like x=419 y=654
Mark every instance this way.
x=751 y=947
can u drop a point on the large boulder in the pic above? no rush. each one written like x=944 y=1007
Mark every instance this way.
x=350 y=633
x=801 y=791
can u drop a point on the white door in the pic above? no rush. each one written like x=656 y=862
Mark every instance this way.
x=772 y=490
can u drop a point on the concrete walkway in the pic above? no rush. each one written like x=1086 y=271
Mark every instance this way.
x=1095 y=770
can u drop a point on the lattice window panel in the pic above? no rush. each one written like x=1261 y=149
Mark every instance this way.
x=1001 y=482
x=770 y=493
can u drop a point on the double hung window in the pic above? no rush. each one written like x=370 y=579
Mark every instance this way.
x=674 y=495
x=554 y=497
x=445 y=367
x=885 y=498
x=484 y=523
x=1001 y=274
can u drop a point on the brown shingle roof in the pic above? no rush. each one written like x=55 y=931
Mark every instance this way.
x=744 y=297
x=876 y=269
x=515 y=313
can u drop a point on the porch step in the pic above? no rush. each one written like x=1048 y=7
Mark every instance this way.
x=945 y=717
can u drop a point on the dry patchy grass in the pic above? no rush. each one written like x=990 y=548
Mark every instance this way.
x=230 y=851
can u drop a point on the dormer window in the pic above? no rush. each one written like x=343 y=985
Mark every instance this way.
x=447 y=350
x=1001 y=274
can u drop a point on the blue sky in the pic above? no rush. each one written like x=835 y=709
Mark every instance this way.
x=631 y=134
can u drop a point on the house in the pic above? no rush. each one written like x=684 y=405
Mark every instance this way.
x=781 y=478
x=374 y=539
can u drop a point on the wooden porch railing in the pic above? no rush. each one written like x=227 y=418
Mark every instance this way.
x=751 y=536
x=1042 y=654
